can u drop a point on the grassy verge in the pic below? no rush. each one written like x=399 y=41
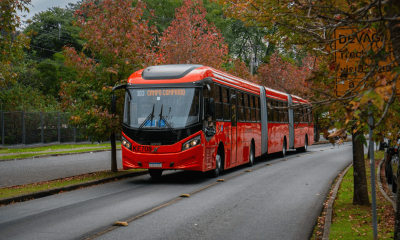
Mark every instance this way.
x=47 y=185
x=54 y=147
x=29 y=155
x=355 y=222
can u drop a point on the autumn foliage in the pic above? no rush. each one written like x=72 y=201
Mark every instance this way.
x=118 y=42
x=191 y=39
x=286 y=76
x=11 y=43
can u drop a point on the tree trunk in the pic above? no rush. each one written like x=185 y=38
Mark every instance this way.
x=114 y=167
x=360 y=196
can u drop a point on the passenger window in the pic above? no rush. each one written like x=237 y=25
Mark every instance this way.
x=218 y=111
x=217 y=94
x=225 y=95
x=258 y=112
x=218 y=102
x=253 y=110
x=241 y=108
x=226 y=108
x=286 y=113
x=226 y=112
x=270 y=114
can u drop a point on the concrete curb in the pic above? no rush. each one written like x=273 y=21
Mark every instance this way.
x=381 y=188
x=56 y=155
x=328 y=216
x=45 y=193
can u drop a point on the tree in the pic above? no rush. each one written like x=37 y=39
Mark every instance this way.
x=312 y=24
x=121 y=42
x=11 y=42
x=191 y=39
x=25 y=98
x=52 y=30
x=286 y=76
x=360 y=194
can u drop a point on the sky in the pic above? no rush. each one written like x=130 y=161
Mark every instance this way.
x=42 y=5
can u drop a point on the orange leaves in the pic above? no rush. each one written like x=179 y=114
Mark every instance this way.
x=191 y=39
x=384 y=92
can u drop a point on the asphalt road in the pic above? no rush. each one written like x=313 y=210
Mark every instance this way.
x=17 y=172
x=277 y=201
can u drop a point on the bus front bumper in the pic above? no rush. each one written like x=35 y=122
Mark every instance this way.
x=191 y=159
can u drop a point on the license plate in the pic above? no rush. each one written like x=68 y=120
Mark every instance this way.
x=155 y=165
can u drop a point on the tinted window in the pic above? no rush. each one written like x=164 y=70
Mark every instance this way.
x=269 y=111
x=226 y=112
x=218 y=110
x=240 y=99
x=217 y=94
x=281 y=112
x=257 y=103
x=276 y=111
x=286 y=112
x=225 y=95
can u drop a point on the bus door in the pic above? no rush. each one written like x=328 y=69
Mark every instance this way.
x=233 y=127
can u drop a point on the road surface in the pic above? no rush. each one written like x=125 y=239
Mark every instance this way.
x=278 y=199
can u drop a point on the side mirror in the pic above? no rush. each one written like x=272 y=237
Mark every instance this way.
x=211 y=107
x=208 y=80
x=123 y=86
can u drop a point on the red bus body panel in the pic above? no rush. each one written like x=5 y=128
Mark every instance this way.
x=202 y=157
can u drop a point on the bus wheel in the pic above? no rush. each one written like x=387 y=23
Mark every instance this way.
x=218 y=164
x=251 y=155
x=155 y=173
x=305 y=144
x=303 y=149
x=283 y=153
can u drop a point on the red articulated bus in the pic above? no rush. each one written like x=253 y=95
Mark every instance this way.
x=193 y=117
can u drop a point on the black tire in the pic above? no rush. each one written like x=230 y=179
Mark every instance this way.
x=303 y=149
x=251 y=156
x=218 y=166
x=155 y=173
x=283 y=153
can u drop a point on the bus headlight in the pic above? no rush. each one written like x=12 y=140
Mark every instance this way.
x=191 y=143
x=126 y=143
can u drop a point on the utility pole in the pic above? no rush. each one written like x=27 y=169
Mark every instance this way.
x=251 y=63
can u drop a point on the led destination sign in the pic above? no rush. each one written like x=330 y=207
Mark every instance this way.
x=166 y=92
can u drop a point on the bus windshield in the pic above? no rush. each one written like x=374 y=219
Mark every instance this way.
x=162 y=107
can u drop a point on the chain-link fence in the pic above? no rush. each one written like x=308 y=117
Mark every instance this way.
x=38 y=127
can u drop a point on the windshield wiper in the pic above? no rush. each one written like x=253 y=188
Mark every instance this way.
x=151 y=115
x=166 y=122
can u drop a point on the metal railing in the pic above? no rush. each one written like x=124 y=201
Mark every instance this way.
x=21 y=127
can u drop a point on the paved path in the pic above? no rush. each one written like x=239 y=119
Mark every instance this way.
x=278 y=201
x=39 y=169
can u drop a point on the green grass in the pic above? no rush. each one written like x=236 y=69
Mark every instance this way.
x=55 y=147
x=37 y=187
x=355 y=222
x=29 y=155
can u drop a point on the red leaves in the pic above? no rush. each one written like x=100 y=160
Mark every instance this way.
x=190 y=39
x=285 y=76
